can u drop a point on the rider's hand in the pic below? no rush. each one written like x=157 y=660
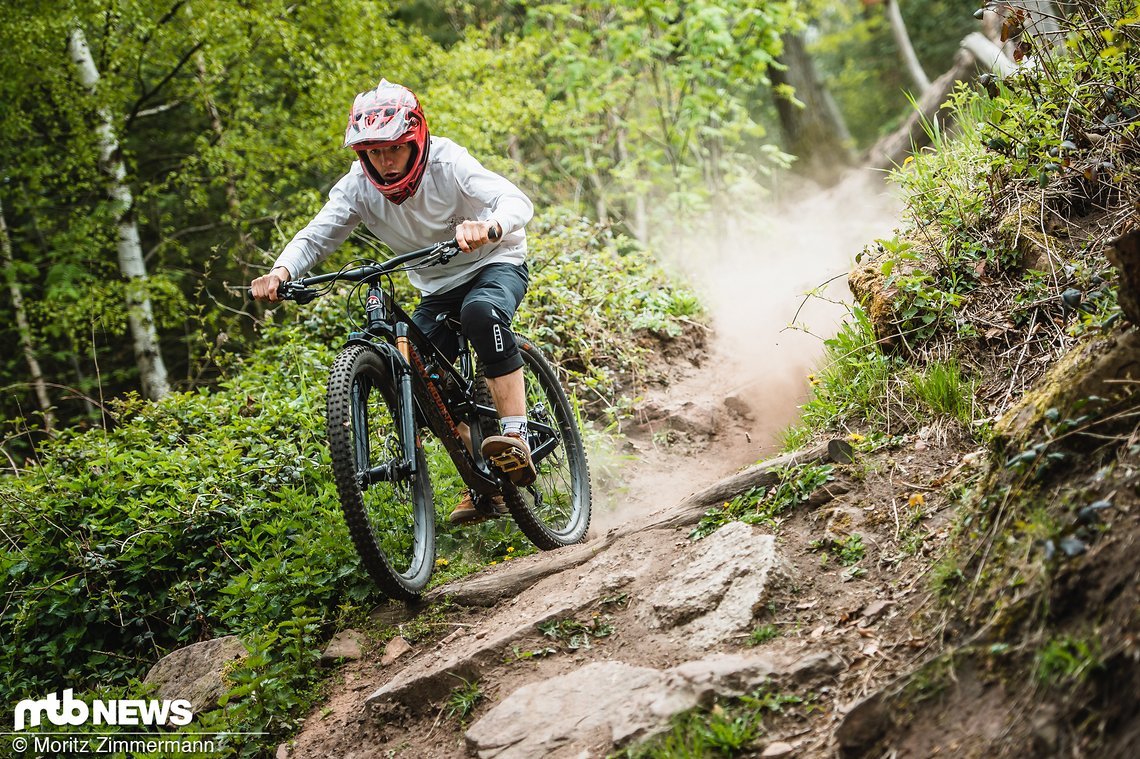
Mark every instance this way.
x=265 y=288
x=473 y=234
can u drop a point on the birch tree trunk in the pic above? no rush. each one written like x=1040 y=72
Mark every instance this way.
x=24 y=328
x=148 y=355
x=902 y=39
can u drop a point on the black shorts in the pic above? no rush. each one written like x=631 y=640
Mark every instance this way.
x=485 y=307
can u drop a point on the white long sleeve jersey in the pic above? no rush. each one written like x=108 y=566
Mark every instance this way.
x=455 y=187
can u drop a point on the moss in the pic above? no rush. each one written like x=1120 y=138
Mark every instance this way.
x=1099 y=368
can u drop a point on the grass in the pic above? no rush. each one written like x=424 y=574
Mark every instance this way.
x=729 y=727
x=463 y=700
x=942 y=387
x=765 y=504
x=853 y=384
x=763 y=634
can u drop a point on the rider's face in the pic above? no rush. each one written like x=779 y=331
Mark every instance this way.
x=391 y=161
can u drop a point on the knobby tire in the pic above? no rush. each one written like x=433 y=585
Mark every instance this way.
x=554 y=511
x=391 y=522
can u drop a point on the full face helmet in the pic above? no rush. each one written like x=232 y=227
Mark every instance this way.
x=389 y=115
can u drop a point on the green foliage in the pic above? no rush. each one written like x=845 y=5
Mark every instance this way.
x=764 y=504
x=1067 y=660
x=763 y=634
x=941 y=387
x=853 y=385
x=206 y=514
x=463 y=700
x=649 y=102
x=573 y=634
x=849 y=551
x=727 y=728
x=1032 y=130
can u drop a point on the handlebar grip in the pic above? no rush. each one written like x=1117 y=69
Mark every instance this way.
x=495 y=232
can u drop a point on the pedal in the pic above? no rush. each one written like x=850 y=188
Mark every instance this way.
x=510 y=460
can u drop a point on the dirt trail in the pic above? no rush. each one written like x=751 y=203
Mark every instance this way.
x=645 y=622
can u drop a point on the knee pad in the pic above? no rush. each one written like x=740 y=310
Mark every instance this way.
x=489 y=331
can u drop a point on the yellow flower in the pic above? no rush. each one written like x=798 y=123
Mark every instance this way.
x=441 y=562
x=510 y=548
x=916 y=499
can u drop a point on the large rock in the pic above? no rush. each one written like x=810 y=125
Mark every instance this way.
x=715 y=596
x=606 y=704
x=197 y=673
x=466 y=655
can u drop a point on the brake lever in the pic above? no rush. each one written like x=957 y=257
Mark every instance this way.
x=291 y=291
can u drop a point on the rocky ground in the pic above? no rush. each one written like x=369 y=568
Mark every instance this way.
x=586 y=650
x=933 y=597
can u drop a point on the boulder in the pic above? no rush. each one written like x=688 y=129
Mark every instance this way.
x=197 y=673
x=606 y=704
x=713 y=598
x=346 y=644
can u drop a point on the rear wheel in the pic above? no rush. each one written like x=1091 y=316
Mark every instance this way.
x=388 y=508
x=554 y=510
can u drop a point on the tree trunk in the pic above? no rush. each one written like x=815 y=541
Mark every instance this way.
x=640 y=212
x=988 y=54
x=24 y=328
x=600 y=207
x=902 y=39
x=893 y=149
x=140 y=314
x=813 y=129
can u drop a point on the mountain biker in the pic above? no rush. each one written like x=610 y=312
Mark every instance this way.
x=412 y=189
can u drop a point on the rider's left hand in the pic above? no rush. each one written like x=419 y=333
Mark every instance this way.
x=474 y=234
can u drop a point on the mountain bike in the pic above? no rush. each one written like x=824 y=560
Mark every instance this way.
x=388 y=383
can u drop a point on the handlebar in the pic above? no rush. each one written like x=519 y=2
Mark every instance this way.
x=300 y=290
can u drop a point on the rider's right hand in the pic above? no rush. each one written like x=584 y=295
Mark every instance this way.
x=265 y=288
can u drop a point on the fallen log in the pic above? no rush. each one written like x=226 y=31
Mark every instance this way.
x=764 y=474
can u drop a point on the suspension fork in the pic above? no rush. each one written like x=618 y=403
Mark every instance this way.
x=407 y=419
x=377 y=309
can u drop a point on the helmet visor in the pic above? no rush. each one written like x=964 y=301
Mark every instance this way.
x=386 y=123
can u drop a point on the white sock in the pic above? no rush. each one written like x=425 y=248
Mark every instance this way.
x=514 y=425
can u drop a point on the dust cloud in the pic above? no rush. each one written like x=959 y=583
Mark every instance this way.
x=755 y=278
x=778 y=289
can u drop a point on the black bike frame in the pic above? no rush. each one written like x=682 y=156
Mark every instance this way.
x=389 y=331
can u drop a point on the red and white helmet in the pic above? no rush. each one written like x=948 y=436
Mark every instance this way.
x=389 y=115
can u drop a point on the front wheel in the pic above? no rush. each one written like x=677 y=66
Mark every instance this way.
x=554 y=510
x=388 y=507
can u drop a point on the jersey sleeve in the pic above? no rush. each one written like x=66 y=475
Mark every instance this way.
x=507 y=203
x=329 y=228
